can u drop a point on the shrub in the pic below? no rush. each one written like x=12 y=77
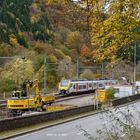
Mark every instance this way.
x=110 y=94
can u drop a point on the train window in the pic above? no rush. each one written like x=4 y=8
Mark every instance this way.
x=100 y=85
x=113 y=83
x=64 y=83
x=90 y=85
x=80 y=87
x=74 y=86
x=84 y=86
x=94 y=84
x=117 y=90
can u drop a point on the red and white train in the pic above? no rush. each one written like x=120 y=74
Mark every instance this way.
x=67 y=87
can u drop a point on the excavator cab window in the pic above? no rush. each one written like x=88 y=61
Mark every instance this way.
x=16 y=94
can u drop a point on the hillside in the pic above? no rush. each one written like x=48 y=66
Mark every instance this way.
x=68 y=31
x=30 y=26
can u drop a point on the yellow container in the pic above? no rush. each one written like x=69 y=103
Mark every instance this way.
x=100 y=95
x=48 y=98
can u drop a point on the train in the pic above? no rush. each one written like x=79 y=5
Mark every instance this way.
x=74 y=87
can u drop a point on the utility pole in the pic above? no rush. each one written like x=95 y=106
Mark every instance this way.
x=134 y=68
x=77 y=69
x=66 y=70
x=45 y=62
x=8 y=57
x=102 y=70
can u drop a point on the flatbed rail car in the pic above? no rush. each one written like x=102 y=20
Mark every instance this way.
x=21 y=101
x=75 y=87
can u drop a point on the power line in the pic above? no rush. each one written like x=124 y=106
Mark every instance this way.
x=8 y=57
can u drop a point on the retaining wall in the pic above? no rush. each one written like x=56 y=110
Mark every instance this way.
x=17 y=122
x=125 y=100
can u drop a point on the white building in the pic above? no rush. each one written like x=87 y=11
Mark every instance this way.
x=122 y=90
x=138 y=86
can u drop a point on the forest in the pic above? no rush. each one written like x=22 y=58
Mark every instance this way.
x=101 y=36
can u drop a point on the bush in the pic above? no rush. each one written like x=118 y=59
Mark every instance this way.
x=110 y=93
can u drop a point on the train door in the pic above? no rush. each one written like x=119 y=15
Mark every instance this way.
x=94 y=86
x=76 y=88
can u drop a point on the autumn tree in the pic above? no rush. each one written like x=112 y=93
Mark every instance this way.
x=86 y=54
x=66 y=68
x=14 y=72
x=6 y=50
x=60 y=1
x=51 y=70
x=60 y=36
x=13 y=40
x=115 y=35
x=75 y=41
x=88 y=74
x=67 y=16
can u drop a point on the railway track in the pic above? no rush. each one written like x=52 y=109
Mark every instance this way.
x=3 y=102
x=59 y=98
x=4 y=110
x=65 y=98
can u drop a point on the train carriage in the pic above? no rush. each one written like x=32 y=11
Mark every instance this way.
x=67 y=87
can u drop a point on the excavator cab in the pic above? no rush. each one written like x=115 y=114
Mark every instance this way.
x=16 y=94
x=25 y=87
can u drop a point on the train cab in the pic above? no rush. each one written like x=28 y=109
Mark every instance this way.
x=64 y=86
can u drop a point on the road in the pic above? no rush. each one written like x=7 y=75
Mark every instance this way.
x=76 y=129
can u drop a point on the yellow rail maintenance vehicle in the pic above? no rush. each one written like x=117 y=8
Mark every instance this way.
x=22 y=101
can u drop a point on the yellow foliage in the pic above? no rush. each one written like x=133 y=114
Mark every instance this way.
x=21 y=69
x=75 y=41
x=35 y=18
x=88 y=74
x=116 y=32
x=57 y=1
x=13 y=40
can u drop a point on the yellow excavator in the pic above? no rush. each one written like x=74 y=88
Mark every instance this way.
x=23 y=100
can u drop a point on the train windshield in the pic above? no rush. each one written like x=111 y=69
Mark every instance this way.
x=64 y=83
